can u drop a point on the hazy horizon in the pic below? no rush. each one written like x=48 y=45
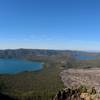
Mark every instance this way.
x=50 y=24
x=91 y=51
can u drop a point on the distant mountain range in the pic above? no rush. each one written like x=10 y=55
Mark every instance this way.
x=42 y=52
x=62 y=56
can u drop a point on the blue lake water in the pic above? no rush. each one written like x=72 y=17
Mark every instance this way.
x=15 y=66
x=82 y=57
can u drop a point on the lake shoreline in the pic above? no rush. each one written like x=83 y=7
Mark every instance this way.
x=14 y=66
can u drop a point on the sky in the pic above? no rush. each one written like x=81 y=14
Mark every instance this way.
x=50 y=24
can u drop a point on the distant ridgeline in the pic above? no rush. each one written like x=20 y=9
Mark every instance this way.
x=34 y=52
x=39 y=54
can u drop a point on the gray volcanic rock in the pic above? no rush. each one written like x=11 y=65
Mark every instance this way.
x=77 y=77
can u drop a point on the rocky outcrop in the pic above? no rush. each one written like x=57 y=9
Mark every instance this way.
x=77 y=94
x=68 y=94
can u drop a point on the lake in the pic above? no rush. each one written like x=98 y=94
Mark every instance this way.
x=15 y=65
x=82 y=57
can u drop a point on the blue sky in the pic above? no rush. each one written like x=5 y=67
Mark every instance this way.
x=50 y=24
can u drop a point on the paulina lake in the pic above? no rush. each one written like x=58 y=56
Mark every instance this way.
x=12 y=66
x=16 y=65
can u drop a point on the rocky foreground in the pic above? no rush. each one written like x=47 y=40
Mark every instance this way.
x=81 y=84
x=80 y=93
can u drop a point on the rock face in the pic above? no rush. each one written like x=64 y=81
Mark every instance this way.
x=77 y=77
x=68 y=94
